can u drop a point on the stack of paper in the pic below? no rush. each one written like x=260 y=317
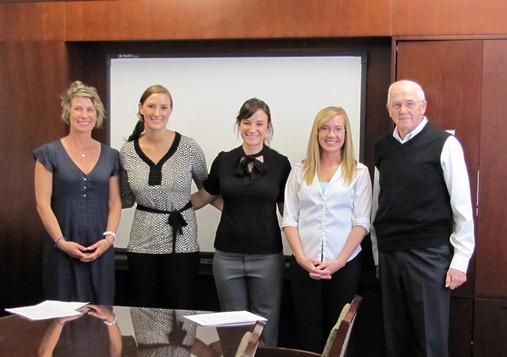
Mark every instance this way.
x=228 y=318
x=49 y=309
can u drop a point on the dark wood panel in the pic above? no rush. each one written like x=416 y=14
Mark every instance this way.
x=450 y=74
x=166 y=19
x=434 y=17
x=460 y=327
x=490 y=328
x=492 y=225
x=33 y=75
x=32 y=22
x=171 y=19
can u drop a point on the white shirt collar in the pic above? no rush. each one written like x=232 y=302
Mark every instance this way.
x=413 y=133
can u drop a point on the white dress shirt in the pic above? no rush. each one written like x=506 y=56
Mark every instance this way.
x=456 y=179
x=324 y=219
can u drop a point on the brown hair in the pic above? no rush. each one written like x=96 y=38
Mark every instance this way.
x=249 y=108
x=139 y=128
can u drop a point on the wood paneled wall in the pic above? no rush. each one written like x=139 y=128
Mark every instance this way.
x=449 y=17
x=451 y=107
x=43 y=21
x=32 y=76
x=491 y=257
x=24 y=20
x=212 y=19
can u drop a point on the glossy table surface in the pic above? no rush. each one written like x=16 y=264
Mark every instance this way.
x=142 y=332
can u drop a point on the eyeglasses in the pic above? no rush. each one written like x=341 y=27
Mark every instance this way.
x=409 y=104
x=337 y=130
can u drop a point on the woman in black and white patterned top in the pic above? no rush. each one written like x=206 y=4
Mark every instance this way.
x=158 y=166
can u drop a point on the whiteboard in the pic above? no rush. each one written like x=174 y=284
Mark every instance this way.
x=208 y=92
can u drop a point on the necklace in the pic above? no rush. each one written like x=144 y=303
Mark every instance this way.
x=82 y=156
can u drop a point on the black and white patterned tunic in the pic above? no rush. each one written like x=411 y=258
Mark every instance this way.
x=164 y=186
x=163 y=332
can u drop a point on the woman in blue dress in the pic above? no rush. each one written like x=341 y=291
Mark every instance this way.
x=78 y=200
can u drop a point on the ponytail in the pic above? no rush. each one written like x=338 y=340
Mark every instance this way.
x=138 y=130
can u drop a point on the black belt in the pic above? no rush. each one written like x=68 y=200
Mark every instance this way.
x=175 y=220
x=155 y=346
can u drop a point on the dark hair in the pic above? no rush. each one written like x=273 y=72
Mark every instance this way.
x=139 y=128
x=249 y=108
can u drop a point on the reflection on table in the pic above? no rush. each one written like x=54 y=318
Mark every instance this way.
x=140 y=332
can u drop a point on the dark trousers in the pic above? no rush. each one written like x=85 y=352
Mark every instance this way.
x=415 y=301
x=318 y=303
x=164 y=280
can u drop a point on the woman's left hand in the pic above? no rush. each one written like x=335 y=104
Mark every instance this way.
x=95 y=250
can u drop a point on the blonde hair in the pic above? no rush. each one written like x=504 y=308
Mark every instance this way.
x=78 y=89
x=311 y=163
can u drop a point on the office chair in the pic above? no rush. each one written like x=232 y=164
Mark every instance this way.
x=250 y=341
x=337 y=342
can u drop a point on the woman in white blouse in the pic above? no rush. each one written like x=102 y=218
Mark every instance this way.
x=326 y=216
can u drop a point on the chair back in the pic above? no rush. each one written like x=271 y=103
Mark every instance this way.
x=337 y=341
x=339 y=336
x=250 y=341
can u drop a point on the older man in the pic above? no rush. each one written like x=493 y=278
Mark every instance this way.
x=423 y=230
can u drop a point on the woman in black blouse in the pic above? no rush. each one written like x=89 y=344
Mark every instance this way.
x=249 y=264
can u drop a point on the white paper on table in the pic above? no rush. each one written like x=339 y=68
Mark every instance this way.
x=227 y=318
x=49 y=309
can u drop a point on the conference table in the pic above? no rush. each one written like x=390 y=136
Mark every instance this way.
x=141 y=332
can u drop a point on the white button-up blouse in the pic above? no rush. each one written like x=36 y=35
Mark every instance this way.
x=324 y=219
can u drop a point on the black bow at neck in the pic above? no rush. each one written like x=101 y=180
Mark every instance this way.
x=258 y=169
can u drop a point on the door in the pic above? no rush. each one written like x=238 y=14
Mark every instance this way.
x=450 y=73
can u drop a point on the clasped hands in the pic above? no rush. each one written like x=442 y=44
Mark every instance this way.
x=321 y=270
x=84 y=254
